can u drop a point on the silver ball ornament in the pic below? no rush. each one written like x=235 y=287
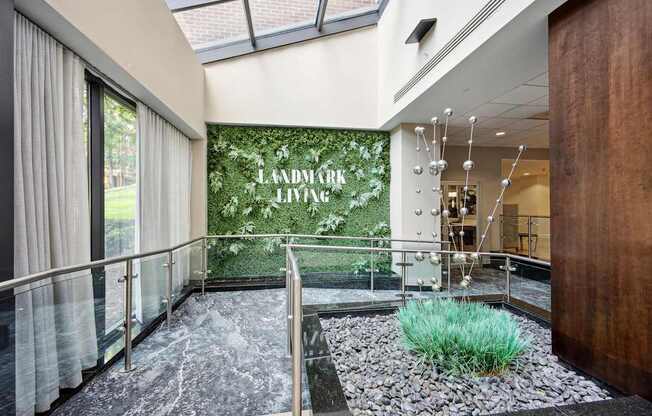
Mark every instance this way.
x=522 y=148
x=464 y=210
x=445 y=213
x=418 y=212
x=464 y=283
x=448 y=112
x=435 y=259
x=434 y=212
x=442 y=165
x=505 y=183
x=418 y=190
x=468 y=165
x=473 y=119
x=436 y=287
x=433 y=165
x=419 y=130
x=490 y=219
x=444 y=139
x=434 y=120
x=461 y=233
x=418 y=170
x=467 y=278
x=474 y=256
x=418 y=256
x=420 y=282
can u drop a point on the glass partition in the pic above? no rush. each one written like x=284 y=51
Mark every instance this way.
x=540 y=237
x=245 y=258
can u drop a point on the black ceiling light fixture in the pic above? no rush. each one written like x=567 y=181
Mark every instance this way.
x=420 y=30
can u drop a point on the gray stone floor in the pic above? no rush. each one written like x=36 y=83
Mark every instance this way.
x=223 y=355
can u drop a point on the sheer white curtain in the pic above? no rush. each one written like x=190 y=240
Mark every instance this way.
x=165 y=172
x=55 y=325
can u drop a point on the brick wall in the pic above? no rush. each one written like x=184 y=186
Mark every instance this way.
x=226 y=21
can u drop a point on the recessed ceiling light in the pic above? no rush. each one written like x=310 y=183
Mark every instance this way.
x=500 y=133
x=526 y=174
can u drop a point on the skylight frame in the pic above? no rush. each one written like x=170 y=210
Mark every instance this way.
x=276 y=38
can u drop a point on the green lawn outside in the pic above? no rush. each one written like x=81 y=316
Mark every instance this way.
x=120 y=203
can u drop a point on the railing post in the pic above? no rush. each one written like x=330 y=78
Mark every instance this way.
x=448 y=273
x=288 y=296
x=508 y=277
x=297 y=352
x=529 y=236
x=373 y=265
x=204 y=264
x=168 y=288
x=128 y=319
x=403 y=275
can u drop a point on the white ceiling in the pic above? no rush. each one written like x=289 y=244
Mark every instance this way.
x=504 y=83
x=511 y=113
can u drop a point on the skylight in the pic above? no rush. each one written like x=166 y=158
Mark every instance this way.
x=220 y=29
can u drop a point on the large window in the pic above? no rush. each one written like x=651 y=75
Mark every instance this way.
x=113 y=165
x=120 y=176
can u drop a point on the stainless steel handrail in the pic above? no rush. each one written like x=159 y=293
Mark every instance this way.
x=46 y=274
x=400 y=250
x=324 y=237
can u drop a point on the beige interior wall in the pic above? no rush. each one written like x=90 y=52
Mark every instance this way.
x=531 y=194
x=327 y=82
x=487 y=174
x=198 y=208
x=138 y=44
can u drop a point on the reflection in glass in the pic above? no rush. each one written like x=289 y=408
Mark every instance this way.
x=269 y=16
x=214 y=25
x=120 y=177
x=338 y=9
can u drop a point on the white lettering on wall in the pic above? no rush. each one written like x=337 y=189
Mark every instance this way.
x=301 y=185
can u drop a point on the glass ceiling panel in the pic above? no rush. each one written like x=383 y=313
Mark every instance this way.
x=214 y=25
x=277 y=15
x=338 y=9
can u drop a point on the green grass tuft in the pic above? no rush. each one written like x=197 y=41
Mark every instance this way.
x=461 y=337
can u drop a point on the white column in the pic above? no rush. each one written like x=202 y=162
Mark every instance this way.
x=405 y=200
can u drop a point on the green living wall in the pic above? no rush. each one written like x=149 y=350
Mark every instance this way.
x=269 y=180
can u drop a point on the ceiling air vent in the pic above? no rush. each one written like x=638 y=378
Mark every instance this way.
x=420 y=30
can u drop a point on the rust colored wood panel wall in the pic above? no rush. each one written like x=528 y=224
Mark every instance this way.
x=600 y=63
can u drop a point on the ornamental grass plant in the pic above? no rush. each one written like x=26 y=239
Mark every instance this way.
x=461 y=337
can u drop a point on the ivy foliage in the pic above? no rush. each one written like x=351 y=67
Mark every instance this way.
x=238 y=203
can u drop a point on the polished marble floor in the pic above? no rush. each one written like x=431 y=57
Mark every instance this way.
x=224 y=354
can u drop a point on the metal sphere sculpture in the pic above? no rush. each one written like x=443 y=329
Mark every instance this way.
x=437 y=164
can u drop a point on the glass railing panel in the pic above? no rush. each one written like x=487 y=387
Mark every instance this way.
x=246 y=259
x=530 y=283
x=7 y=352
x=344 y=277
x=187 y=268
x=150 y=290
x=113 y=305
x=487 y=277
x=514 y=234
x=540 y=238
x=196 y=262
x=50 y=335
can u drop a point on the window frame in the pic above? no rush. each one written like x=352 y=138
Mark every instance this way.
x=97 y=89
x=287 y=36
